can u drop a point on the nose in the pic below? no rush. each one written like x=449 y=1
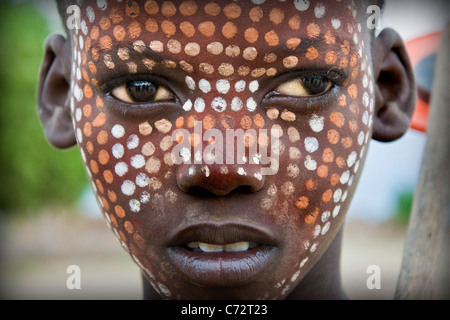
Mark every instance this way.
x=218 y=179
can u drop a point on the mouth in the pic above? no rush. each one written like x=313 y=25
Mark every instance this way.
x=222 y=255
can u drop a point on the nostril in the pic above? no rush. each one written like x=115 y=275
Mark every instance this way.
x=219 y=182
x=202 y=192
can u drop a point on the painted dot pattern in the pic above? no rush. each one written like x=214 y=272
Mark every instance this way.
x=225 y=63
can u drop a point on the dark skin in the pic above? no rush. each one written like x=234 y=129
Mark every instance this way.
x=279 y=235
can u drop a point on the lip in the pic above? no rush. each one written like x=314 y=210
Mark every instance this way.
x=222 y=269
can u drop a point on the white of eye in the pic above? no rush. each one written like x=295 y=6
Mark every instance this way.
x=121 y=93
x=296 y=88
x=292 y=88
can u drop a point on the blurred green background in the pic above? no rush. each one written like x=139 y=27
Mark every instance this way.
x=33 y=174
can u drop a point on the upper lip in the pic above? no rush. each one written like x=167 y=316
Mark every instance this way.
x=221 y=234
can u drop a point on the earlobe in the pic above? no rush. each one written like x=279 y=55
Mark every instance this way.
x=54 y=93
x=395 y=89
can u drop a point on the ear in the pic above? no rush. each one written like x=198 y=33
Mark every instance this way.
x=395 y=88
x=54 y=93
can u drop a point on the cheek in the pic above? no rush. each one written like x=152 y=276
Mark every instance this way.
x=128 y=163
x=320 y=163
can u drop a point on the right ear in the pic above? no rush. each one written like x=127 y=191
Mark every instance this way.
x=54 y=92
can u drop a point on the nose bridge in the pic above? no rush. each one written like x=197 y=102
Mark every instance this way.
x=220 y=108
x=223 y=137
x=221 y=94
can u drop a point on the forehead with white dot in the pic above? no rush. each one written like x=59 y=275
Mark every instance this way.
x=222 y=48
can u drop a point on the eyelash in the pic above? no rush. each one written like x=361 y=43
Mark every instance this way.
x=337 y=78
x=313 y=103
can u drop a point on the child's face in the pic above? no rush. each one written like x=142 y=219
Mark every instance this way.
x=303 y=72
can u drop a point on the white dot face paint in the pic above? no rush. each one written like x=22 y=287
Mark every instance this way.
x=236 y=104
x=336 y=23
x=102 y=4
x=142 y=180
x=352 y=159
x=316 y=231
x=79 y=135
x=239 y=86
x=301 y=5
x=137 y=161
x=310 y=164
x=199 y=105
x=145 y=197
x=365 y=118
x=344 y=177
x=366 y=99
x=325 y=216
x=78 y=114
x=78 y=93
x=344 y=196
x=253 y=86
x=319 y=11
x=132 y=142
x=190 y=83
x=204 y=85
x=316 y=123
x=325 y=228
x=187 y=105
x=337 y=195
x=365 y=81
x=117 y=131
x=219 y=104
x=121 y=169
x=223 y=86
x=90 y=14
x=135 y=205
x=128 y=188
x=336 y=211
x=251 y=104
x=311 y=144
x=361 y=138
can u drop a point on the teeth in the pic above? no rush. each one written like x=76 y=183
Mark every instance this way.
x=238 y=246
x=206 y=247
x=232 y=247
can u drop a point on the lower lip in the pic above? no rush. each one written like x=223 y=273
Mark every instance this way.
x=222 y=269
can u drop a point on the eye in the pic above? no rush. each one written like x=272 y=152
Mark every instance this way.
x=305 y=86
x=140 y=92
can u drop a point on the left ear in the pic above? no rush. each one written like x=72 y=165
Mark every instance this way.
x=395 y=87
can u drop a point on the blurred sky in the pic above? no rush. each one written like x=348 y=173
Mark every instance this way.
x=391 y=168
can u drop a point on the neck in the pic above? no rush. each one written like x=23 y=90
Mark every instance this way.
x=323 y=282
